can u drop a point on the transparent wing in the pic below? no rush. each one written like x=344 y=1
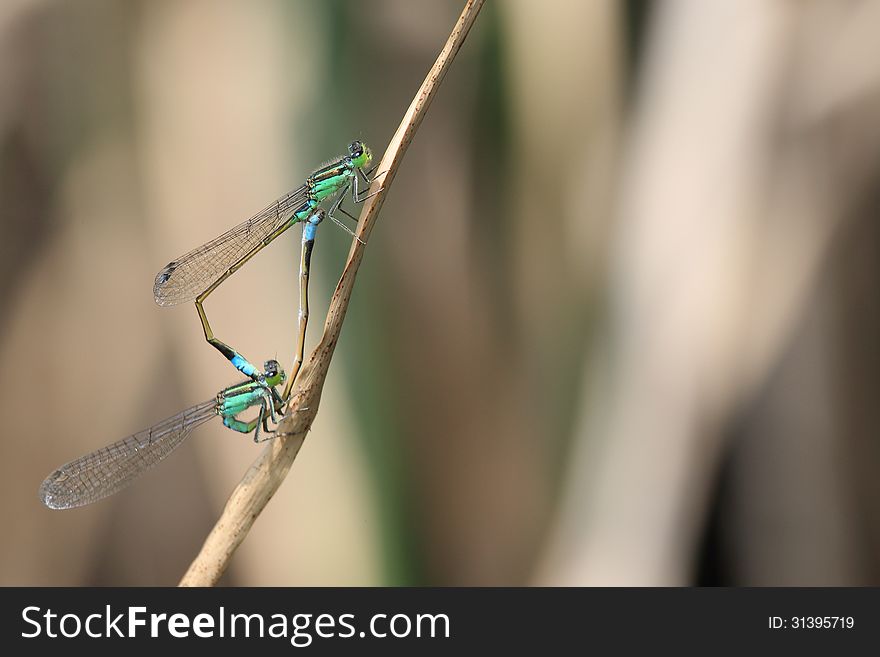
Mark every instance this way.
x=185 y=278
x=112 y=468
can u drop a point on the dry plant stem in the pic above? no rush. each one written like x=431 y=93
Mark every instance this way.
x=266 y=473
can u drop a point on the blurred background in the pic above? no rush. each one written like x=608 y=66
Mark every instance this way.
x=617 y=323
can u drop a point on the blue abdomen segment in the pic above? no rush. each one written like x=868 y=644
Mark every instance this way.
x=310 y=230
x=242 y=365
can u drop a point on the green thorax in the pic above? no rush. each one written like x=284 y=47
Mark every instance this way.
x=332 y=177
x=235 y=399
x=329 y=179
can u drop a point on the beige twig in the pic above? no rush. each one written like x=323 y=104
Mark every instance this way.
x=266 y=473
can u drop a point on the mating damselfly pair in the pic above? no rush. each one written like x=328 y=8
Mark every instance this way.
x=193 y=277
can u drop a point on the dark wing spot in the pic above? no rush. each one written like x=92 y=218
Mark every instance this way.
x=163 y=276
x=159 y=291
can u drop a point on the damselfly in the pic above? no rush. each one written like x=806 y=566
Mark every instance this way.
x=112 y=468
x=195 y=275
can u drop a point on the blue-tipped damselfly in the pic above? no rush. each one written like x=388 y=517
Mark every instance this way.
x=195 y=275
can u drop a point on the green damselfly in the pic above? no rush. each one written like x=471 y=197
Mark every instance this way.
x=110 y=469
x=195 y=275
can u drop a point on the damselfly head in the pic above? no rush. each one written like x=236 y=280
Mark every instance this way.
x=273 y=372
x=359 y=154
